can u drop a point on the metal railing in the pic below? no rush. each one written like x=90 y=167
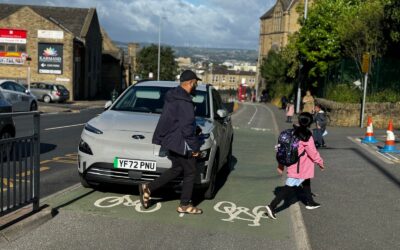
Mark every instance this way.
x=20 y=167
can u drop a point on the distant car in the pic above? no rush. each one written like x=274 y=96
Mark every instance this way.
x=18 y=96
x=49 y=92
x=116 y=146
x=7 y=127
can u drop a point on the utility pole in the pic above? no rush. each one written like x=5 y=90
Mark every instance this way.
x=159 y=52
x=299 y=84
x=365 y=69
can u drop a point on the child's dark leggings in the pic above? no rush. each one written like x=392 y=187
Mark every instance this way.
x=287 y=191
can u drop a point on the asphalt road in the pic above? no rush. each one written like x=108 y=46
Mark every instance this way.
x=59 y=136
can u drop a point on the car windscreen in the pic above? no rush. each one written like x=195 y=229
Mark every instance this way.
x=61 y=87
x=150 y=99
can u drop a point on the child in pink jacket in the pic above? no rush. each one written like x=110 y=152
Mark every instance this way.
x=300 y=174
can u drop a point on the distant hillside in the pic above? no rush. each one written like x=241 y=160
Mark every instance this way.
x=208 y=54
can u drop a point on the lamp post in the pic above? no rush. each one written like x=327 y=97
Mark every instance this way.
x=159 y=48
x=299 y=85
x=28 y=75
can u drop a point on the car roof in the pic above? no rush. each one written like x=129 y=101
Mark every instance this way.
x=168 y=84
x=7 y=80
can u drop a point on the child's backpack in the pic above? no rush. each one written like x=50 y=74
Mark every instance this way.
x=287 y=152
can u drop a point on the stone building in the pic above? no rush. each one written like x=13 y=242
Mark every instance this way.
x=223 y=78
x=64 y=44
x=275 y=27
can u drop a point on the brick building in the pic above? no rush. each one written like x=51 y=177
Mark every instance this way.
x=64 y=44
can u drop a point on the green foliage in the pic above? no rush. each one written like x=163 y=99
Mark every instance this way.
x=360 y=30
x=274 y=70
x=147 y=62
x=392 y=19
x=387 y=95
x=343 y=93
x=318 y=41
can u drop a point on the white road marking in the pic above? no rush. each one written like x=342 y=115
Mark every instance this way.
x=253 y=115
x=261 y=129
x=69 y=126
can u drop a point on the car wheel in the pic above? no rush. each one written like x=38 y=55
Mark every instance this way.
x=33 y=106
x=211 y=189
x=84 y=182
x=47 y=99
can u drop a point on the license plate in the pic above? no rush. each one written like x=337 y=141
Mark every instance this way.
x=134 y=164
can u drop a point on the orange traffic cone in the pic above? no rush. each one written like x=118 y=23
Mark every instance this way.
x=390 y=141
x=369 y=136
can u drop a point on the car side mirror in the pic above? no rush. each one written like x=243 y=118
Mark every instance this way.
x=27 y=91
x=107 y=105
x=222 y=113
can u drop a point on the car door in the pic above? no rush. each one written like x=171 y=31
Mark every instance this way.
x=221 y=125
x=10 y=94
x=23 y=96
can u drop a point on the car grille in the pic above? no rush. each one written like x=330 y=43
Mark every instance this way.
x=106 y=170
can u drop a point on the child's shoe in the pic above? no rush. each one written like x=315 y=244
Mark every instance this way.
x=270 y=212
x=312 y=205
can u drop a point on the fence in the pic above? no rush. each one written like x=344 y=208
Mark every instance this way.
x=20 y=167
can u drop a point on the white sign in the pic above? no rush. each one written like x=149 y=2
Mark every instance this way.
x=59 y=79
x=52 y=34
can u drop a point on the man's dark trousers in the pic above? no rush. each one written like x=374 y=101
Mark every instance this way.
x=180 y=163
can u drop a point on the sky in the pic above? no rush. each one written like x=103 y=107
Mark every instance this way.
x=189 y=23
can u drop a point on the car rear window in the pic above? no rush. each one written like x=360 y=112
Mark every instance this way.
x=150 y=99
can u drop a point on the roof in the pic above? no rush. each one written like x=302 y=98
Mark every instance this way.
x=75 y=20
x=109 y=46
x=286 y=4
x=168 y=84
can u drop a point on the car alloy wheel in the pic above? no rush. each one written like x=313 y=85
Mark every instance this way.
x=47 y=99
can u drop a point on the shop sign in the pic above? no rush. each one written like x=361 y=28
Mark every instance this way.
x=50 y=58
x=51 y=34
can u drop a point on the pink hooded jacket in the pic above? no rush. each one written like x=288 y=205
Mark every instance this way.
x=307 y=161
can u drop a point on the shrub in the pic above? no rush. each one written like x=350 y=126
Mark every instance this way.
x=344 y=93
x=387 y=95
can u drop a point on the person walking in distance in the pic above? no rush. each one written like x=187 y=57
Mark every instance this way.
x=303 y=170
x=176 y=132
x=320 y=122
x=308 y=102
x=289 y=111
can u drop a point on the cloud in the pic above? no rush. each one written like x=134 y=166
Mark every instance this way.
x=207 y=23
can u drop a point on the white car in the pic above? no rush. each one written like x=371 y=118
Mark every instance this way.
x=18 y=96
x=116 y=146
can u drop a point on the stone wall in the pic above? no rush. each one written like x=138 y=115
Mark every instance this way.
x=348 y=114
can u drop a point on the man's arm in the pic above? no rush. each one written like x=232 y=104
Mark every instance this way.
x=187 y=123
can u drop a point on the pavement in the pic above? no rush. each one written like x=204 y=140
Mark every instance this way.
x=358 y=191
x=75 y=106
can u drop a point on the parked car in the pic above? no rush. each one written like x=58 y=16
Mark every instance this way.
x=7 y=127
x=49 y=92
x=124 y=133
x=18 y=96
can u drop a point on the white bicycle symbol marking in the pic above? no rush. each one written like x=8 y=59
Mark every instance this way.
x=234 y=212
x=112 y=201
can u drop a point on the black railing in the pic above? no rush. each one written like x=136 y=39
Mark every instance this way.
x=20 y=167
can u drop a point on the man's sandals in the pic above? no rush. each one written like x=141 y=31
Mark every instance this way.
x=189 y=209
x=144 y=192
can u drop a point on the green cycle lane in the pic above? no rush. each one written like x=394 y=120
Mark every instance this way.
x=237 y=209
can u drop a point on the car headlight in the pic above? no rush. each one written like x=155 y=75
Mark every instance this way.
x=92 y=129
x=84 y=147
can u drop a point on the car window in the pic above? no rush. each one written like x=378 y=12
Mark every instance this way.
x=8 y=86
x=151 y=100
x=34 y=85
x=19 y=88
x=61 y=87
x=217 y=101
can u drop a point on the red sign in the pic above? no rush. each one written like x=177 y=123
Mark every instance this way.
x=12 y=36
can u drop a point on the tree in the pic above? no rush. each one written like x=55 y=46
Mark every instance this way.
x=318 y=42
x=361 y=30
x=392 y=25
x=147 y=62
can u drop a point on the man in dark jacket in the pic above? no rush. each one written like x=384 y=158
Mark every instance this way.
x=176 y=132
